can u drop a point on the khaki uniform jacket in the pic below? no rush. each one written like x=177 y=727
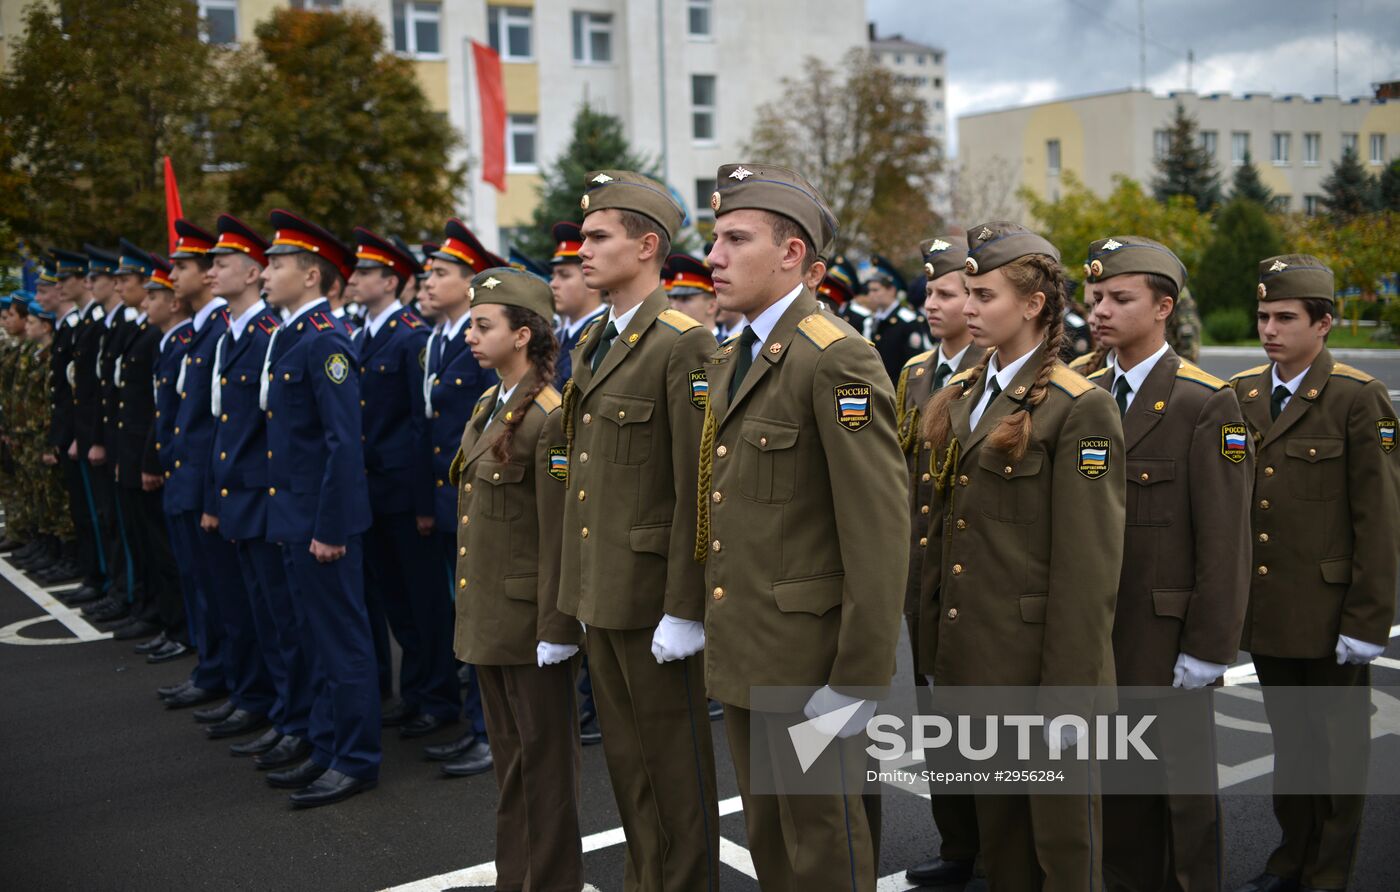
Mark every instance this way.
x=508 y=532
x=808 y=532
x=629 y=514
x=1013 y=594
x=1185 y=572
x=1324 y=511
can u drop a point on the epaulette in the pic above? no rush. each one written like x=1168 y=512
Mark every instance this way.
x=906 y=315
x=919 y=359
x=184 y=336
x=1081 y=361
x=1094 y=376
x=484 y=400
x=321 y=320
x=961 y=377
x=98 y=314
x=677 y=320
x=820 y=330
x=268 y=324
x=1249 y=373
x=411 y=319
x=223 y=314
x=1197 y=375
x=1342 y=370
x=588 y=330
x=548 y=400
x=1072 y=383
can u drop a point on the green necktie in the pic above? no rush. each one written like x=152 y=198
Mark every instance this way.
x=744 y=361
x=495 y=410
x=940 y=375
x=604 y=344
x=1281 y=393
x=1121 y=389
x=993 y=388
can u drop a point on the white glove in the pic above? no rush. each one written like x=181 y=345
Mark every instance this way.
x=1191 y=673
x=827 y=701
x=1357 y=653
x=676 y=639
x=1069 y=737
x=547 y=654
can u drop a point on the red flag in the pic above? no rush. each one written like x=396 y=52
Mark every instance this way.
x=173 y=211
x=491 y=93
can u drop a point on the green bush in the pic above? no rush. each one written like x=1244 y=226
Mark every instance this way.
x=1390 y=315
x=1229 y=325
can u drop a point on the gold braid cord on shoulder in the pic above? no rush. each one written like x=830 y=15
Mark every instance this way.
x=567 y=407
x=702 y=486
x=906 y=419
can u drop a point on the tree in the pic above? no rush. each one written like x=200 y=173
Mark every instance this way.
x=598 y=143
x=1388 y=189
x=1186 y=168
x=320 y=119
x=862 y=139
x=1349 y=191
x=1229 y=269
x=1248 y=185
x=92 y=99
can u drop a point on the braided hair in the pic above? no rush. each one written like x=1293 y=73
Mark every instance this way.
x=1028 y=274
x=541 y=352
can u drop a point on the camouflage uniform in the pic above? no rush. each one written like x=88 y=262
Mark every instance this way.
x=42 y=488
x=1184 y=327
x=18 y=512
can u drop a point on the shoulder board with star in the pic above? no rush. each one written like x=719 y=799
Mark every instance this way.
x=1094 y=376
x=1342 y=370
x=1071 y=382
x=906 y=315
x=919 y=359
x=321 y=320
x=677 y=320
x=1249 y=373
x=411 y=319
x=98 y=314
x=223 y=314
x=183 y=336
x=268 y=323
x=1197 y=375
x=548 y=400
x=820 y=330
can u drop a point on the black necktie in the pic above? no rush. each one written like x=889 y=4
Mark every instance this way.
x=435 y=361
x=744 y=361
x=1121 y=389
x=1281 y=393
x=604 y=344
x=495 y=410
x=940 y=375
x=993 y=388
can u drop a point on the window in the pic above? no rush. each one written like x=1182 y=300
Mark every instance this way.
x=1239 y=147
x=220 y=20
x=1349 y=143
x=1280 y=148
x=1282 y=202
x=698 y=17
x=703 y=190
x=317 y=5
x=1311 y=204
x=938 y=58
x=418 y=27
x=919 y=59
x=1377 y=148
x=702 y=107
x=1207 y=140
x=899 y=58
x=593 y=38
x=938 y=82
x=1312 y=148
x=1161 y=143
x=521 y=131
x=510 y=27
x=1052 y=156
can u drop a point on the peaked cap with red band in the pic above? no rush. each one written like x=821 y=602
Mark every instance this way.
x=373 y=252
x=684 y=273
x=295 y=234
x=190 y=241
x=461 y=246
x=235 y=236
x=568 y=239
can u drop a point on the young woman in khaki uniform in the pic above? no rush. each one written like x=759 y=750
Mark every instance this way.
x=1023 y=451
x=510 y=474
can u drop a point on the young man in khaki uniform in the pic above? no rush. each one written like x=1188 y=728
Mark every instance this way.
x=803 y=524
x=1181 y=595
x=953 y=814
x=1322 y=593
x=633 y=412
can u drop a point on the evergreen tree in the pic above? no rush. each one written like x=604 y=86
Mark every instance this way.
x=1349 y=191
x=1388 y=190
x=1228 y=272
x=1186 y=168
x=1248 y=185
x=598 y=143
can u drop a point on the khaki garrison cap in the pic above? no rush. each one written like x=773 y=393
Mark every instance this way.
x=513 y=288
x=1295 y=277
x=628 y=191
x=1123 y=254
x=991 y=245
x=942 y=255
x=777 y=190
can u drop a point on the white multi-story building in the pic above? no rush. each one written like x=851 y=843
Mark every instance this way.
x=919 y=66
x=1292 y=140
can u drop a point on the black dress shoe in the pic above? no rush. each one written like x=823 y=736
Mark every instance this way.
x=938 y=872
x=85 y=595
x=11 y=544
x=150 y=647
x=446 y=752
x=296 y=778
x=422 y=725
x=256 y=747
x=170 y=690
x=240 y=721
x=61 y=572
x=397 y=714
x=476 y=760
x=1268 y=882
x=211 y=714
x=191 y=696
x=104 y=605
x=588 y=731
x=290 y=750
x=170 y=650
x=135 y=628
x=331 y=787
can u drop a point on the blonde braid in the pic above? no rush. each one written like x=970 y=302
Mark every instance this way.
x=703 y=483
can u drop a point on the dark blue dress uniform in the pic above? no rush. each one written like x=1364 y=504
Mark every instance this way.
x=403 y=582
x=568 y=239
x=455 y=382
x=239 y=472
x=316 y=490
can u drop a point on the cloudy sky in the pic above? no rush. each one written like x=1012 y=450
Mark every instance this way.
x=1014 y=52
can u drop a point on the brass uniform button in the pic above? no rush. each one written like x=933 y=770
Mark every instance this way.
x=224 y=417
x=924 y=510
x=961 y=524
x=1312 y=453
x=439 y=483
x=272 y=490
x=763 y=441
x=962 y=480
x=582 y=495
x=286 y=376
x=462 y=550
x=464 y=518
x=621 y=414
x=721 y=451
x=927 y=477
x=583 y=457
x=461 y=583
x=923 y=541
x=1264 y=503
x=718 y=497
x=469 y=489
x=1268 y=472
x=1006 y=470
x=957 y=569
x=952 y=613
x=1145 y=476
x=496 y=476
x=223 y=456
x=1263 y=537
x=587 y=417
x=269 y=453
x=718 y=593
x=1263 y=570
x=177 y=463
x=224 y=493
x=715 y=546
x=584 y=532
x=437 y=450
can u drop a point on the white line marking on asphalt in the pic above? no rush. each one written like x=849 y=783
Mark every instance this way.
x=55 y=608
x=11 y=634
